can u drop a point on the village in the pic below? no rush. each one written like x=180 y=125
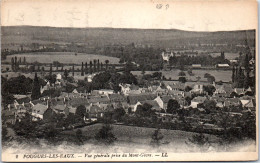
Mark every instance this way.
x=102 y=94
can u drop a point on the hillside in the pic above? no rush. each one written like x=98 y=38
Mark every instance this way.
x=103 y=36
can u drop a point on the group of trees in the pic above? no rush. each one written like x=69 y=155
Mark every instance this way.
x=108 y=80
x=241 y=77
x=19 y=85
x=147 y=57
x=15 y=63
x=205 y=60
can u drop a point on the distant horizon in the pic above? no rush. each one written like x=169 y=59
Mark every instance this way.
x=45 y=26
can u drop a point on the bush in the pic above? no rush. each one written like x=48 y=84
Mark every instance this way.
x=199 y=139
x=105 y=134
x=182 y=73
x=182 y=79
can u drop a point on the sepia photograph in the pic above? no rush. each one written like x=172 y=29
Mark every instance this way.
x=148 y=80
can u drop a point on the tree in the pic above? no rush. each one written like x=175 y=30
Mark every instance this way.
x=90 y=67
x=247 y=80
x=101 y=66
x=182 y=79
x=106 y=61
x=24 y=60
x=79 y=136
x=118 y=114
x=233 y=74
x=187 y=89
x=73 y=70
x=211 y=79
x=182 y=73
x=144 y=110
x=222 y=56
x=69 y=88
x=51 y=70
x=105 y=134
x=66 y=74
x=15 y=63
x=86 y=67
x=156 y=137
x=246 y=63
x=199 y=139
x=12 y=64
x=36 y=88
x=80 y=112
x=95 y=63
x=172 y=106
x=82 y=69
x=210 y=104
x=98 y=65
x=210 y=89
x=206 y=75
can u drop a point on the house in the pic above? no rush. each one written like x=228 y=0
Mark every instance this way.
x=197 y=100
x=250 y=105
x=95 y=100
x=61 y=109
x=198 y=89
x=196 y=65
x=38 y=110
x=232 y=102
x=94 y=113
x=177 y=93
x=175 y=87
x=127 y=89
x=105 y=91
x=116 y=98
x=75 y=91
x=133 y=99
x=166 y=55
x=239 y=91
x=163 y=101
x=58 y=77
x=75 y=102
x=79 y=90
x=22 y=99
x=249 y=91
x=154 y=104
x=222 y=65
x=223 y=90
x=233 y=61
x=219 y=101
x=8 y=116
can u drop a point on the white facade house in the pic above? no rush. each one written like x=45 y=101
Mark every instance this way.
x=166 y=56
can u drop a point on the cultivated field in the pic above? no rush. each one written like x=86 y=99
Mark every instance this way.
x=62 y=57
x=227 y=55
x=224 y=75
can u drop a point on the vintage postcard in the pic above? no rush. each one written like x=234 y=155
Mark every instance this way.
x=129 y=80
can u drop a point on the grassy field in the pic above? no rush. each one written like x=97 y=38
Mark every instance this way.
x=63 y=57
x=224 y=75
x=139 y=135
x=227 y=55
x=130 y=139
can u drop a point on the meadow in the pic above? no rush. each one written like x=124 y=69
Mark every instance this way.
x=223 y=75
x=227 y=55
x=62 y=57
x=129 y=139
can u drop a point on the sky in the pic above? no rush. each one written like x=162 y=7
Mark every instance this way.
x=209 y=15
